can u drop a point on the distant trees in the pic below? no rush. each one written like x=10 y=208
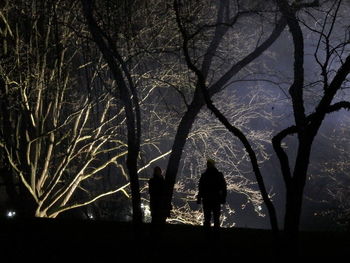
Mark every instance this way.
x=329 y=177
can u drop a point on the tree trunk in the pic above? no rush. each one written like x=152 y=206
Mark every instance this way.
x=133 y=136
x=182 y=132
x=294 y=196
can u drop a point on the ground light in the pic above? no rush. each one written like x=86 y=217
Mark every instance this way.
x=11 y=214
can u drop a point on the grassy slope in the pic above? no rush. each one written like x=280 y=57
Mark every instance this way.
x=90 y=241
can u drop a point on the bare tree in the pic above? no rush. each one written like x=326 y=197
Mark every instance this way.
x=327 y=178
x=307 y=124
x=79 y=111
x=218 y=30
x=128 y=94
x=167 y=76
x=54 y=136
x=209 y=138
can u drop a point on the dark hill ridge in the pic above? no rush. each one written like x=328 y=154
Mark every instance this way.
x=53 y=240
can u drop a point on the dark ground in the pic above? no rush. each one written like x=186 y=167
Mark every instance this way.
x=44 y=240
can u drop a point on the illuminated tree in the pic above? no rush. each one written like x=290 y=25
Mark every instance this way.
x=55 y=137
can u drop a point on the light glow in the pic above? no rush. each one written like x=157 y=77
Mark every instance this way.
x=10 y=214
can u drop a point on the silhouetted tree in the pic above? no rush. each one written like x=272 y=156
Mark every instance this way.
x=219 y=30
x=307 y=125
x=128 y=94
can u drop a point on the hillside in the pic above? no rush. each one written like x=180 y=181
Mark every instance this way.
x=46 y=240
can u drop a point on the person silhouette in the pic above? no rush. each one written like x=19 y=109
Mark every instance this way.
x=156 y=186
x=212 y=191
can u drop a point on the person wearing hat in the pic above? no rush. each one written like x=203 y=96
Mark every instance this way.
x=212 y=191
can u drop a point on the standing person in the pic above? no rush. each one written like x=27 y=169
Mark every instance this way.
x=212 y=191
x=156 y=187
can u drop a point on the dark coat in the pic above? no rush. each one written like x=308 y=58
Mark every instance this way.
x=212 y=186
x=156 y=191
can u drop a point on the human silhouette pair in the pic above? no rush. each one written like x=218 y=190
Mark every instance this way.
x=212 y=192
